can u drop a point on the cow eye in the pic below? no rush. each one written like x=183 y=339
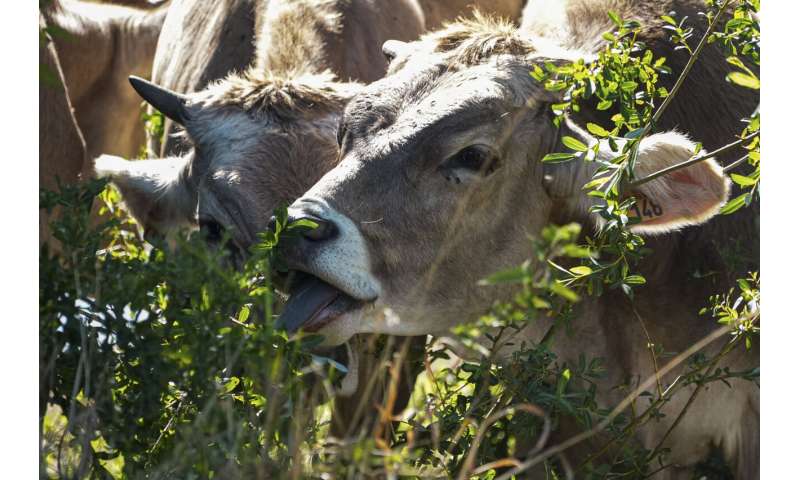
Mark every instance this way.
x=470 y=162
x=211 y=230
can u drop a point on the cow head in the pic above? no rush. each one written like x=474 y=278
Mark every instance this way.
x=441 y=184
x=256 y=141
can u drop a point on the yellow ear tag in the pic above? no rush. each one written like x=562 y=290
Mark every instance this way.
x=645 y=208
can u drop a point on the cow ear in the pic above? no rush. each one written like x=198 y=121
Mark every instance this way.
x=687 y=196
x=157 y=193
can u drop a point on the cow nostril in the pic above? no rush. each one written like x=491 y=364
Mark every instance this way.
x=325 y=230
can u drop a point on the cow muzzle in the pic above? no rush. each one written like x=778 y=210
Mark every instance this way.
x=331 y=277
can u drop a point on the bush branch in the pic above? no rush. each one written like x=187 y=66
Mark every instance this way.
x=554 y=450
x=692 y=59
x=697 y=159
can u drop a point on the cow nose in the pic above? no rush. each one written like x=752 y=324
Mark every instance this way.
x=325 y=229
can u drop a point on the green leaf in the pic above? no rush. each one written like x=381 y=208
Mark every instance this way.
x=555 y=85
x=736 y=62
x=604 y=104
x=563 y=291
x=244 y=314
x=742 y=180
x=597 y=182
x=562 y=382
x=581 y=270
x=597 y=130
x=734 y=204
x=558 y=157
x=514 y=275
x=615 y=18
x=573 y=143
x=628 y=86
x=669 y=20
x=635 y=280
x=575 y=251
x=231 y=384
x=303 y=222
x=538 y=74
x=744 y=80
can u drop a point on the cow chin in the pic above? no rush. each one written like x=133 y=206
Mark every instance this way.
x=371 y=318
x=341 y=329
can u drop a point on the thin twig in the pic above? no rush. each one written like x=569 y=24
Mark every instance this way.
x=685 y=73
x=651 y=348
x=366 y=393
x=724 y=351
x=735 y=164
x=466 y=468
x=693 y=160
x=724 y=330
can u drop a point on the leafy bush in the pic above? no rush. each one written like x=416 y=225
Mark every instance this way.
x=163 y=361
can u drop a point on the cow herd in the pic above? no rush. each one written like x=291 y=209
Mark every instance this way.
x=411 y=135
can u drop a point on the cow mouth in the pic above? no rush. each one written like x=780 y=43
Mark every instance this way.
x=314 y=304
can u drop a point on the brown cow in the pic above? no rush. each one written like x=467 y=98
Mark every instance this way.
x=62 y=152
x=98 y=46
x=440 y=185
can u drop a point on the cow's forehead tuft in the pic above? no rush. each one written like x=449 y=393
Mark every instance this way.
x=468 y=42
x=285 y=98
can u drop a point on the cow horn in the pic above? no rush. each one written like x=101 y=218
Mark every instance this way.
x=171 y=104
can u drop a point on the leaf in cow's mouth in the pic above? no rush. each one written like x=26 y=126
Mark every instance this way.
x=313 y=304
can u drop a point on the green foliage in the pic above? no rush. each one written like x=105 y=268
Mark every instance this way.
x=153 y=121
x=155 y=350
x=163 y=361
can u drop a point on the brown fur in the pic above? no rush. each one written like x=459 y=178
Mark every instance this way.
x=438 y=12
x=281 y=39
x=224 y=28
x=103 y=45
x=473 y=40
x=62 y=152
x=301 y=96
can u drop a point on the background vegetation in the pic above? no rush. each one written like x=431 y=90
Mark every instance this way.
x=162 y=361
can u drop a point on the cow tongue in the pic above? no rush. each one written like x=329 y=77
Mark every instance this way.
x=313 y=304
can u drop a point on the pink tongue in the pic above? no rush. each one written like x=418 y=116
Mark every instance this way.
x=306 y=301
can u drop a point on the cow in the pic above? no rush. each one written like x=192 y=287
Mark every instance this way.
x=98 y=46
x=440 y=185
x=261 y=137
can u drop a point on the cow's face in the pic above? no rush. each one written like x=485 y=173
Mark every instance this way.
x=255 y=144
x=441 y=185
